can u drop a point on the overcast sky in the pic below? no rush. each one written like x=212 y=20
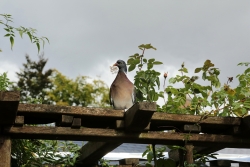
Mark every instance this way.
x=86 y=37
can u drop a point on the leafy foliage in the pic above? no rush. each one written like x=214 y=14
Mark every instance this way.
x=39 y=152
x=161 y=161
x=30 y=32
x=33 y=80
x=4 y=82
x=210 y=99
x=79 y=92
x=145 y=81
x=50 y=86
x=105 y=163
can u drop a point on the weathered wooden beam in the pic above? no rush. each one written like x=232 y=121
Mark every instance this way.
x=76 y=124
x=68 y=110
x=111 y=135
x=65 y=120
x=5 y=151
x=246 y=122
x=120 y=124
x=19 y=121
x=174 y=118
x=235 y=130
x=52 y=113
x=139 y=115
x=192 y=128
x=94 y=151
x=189 y=153
x=9 y=101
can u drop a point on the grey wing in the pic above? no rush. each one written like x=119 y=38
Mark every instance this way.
x=134 y=96
x=111 y=101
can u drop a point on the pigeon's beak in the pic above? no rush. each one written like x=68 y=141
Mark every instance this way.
x=115 y=64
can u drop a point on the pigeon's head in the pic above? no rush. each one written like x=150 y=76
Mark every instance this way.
x=121 y=65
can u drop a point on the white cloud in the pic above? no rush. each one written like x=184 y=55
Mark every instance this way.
x=10 y=68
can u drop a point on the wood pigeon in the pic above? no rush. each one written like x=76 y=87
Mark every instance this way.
x=122 y=91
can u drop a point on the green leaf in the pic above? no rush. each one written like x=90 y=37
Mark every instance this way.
x=204 y=75
x=131 y=67
x=172 y=80
x=143 y=90
x=38 y=47
x=157 y=63
x=158 y=82
x=151 y=60
x=185 y=70
x=21 y=33
x=247 y=71
x=207 y=65
x=7 y=35
x=155 y=97
x=244 y=63
x=145 y=60
x=130 y=61
x=11 y=42
x=43 y=42
x=144 y=153
x=146 y=46
x=30 y=36
x=46 y=39
x=6 y=29
x=150 y=66
x=150 y=156
x=136 y=61
x=197 y=70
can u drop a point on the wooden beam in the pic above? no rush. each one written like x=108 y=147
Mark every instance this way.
x=65 y=120
x=139 y=115
x=246 y=122
x=94 y=151
x=68 y=110
x=173 y=118
x=189 y=154
x=19 y=121
x=9 y=101
x=192 y=128
x=76 y=124
x=5 y=151
x=9 y=96
x=120 y=124
x=136 y=119
x=111 y=135
x=51 y=113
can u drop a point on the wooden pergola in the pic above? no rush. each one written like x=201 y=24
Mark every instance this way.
x=106 y=129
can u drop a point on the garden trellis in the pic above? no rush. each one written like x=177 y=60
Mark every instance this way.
x=106 y=129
